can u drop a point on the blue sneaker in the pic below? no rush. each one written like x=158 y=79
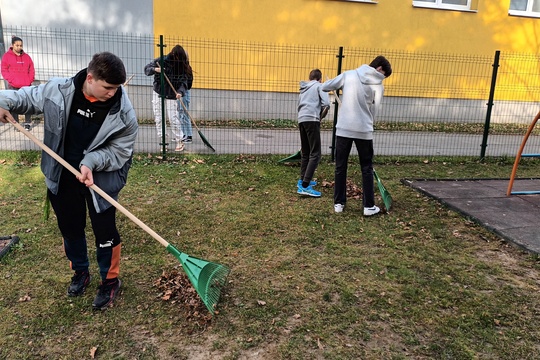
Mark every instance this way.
x=311 y=183
x=308 y=191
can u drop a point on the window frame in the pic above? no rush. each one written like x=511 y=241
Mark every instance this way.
x=438 y=4
x=526 y=13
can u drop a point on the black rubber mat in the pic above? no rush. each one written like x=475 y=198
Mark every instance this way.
x=516 y=218
x=6 y=242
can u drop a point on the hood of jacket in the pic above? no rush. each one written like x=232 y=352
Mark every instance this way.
x=306 y=85
x=369 y=75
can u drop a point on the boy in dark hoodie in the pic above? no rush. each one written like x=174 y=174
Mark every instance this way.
x=312 y=103
x=362 y=94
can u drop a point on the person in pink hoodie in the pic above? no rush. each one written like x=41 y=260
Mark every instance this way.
x=18 y=71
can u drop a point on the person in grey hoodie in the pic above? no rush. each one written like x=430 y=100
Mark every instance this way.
x=312 y=103
x=88 y=121
x=362 y=94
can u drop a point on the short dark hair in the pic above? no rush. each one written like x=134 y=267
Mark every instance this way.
x=315 y=74
x=383 y=63
x=107 y=67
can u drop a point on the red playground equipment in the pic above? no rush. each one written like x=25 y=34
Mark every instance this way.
x=518 y=158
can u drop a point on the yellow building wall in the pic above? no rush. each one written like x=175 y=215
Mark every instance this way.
x=389 y=24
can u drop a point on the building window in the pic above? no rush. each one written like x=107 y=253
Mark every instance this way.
x=525 y=8
x=461 y=5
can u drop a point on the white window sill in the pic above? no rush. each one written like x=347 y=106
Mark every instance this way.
x=451 y=8
x=524 y=14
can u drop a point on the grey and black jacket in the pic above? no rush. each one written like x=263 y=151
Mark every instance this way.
x=109 y=154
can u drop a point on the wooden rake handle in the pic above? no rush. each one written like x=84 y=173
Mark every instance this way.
x=181 y=102
x=94 y=187
x=335 y=94
x=128 y=80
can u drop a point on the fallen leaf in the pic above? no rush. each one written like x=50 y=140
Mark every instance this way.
x=260 y=302
x=25 y=298
x=93 y=351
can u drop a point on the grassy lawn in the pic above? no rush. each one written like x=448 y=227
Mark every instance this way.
x=420 y=282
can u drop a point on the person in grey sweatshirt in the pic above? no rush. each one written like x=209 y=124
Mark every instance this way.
x=313 y=104
x=362 y=94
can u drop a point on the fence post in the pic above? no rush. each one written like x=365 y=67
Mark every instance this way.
x=490 y=104
x=2 y=44
x=340 y=57
x=162 y=92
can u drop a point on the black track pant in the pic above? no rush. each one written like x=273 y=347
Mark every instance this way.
x=70 y=206
x=310 y=139
x=365 y=154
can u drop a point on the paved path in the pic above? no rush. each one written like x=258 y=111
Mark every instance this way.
x=271 y=141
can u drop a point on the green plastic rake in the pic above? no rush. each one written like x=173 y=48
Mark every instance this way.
x=385 y=194
x=294 y=157
x=206 y=277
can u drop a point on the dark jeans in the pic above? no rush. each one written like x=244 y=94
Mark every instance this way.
x=70 y=207
x=310 y=139
x=365 y=154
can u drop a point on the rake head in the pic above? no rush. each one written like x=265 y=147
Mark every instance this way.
x=385 y=194
x=205 y=141
x=206 y=277
x=294 y=157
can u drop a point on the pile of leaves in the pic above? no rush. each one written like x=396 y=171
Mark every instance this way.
x=174 y=287
x=353 y=190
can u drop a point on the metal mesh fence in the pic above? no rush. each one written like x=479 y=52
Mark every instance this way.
x=244 y=95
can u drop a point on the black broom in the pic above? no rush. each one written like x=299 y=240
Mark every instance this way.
x=203 y=138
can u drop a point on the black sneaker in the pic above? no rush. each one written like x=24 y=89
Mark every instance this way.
x=187 y=139
x=27 y=127
x=107 y=291
x=79 y=282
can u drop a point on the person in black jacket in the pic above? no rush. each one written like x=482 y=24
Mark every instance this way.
x=181 y=77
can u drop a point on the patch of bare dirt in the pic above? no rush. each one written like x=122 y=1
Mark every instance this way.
x=516 y=272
